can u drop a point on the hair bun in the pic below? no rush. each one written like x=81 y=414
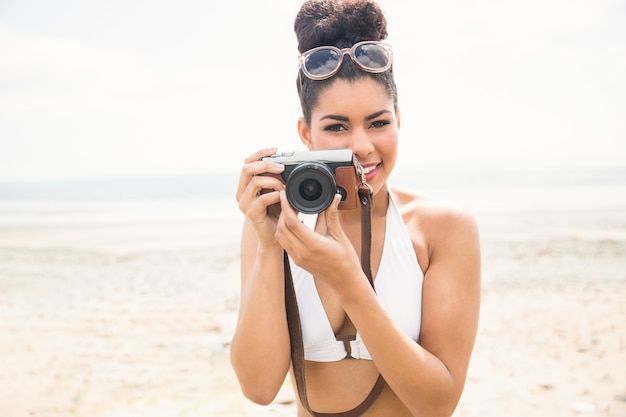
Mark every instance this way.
x=341 y=23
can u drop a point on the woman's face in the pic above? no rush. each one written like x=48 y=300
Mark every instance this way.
x=358 y=115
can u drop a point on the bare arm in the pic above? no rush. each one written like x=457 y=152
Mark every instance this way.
x=260 y=352
x=428 y=376
x=260 y=346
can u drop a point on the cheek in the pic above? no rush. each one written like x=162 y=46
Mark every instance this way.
x=389 y=151
x=389 y=146
x=322 y=141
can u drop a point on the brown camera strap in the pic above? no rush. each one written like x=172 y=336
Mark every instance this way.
x=348 y=332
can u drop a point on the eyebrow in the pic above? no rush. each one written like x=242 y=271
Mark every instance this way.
x=345 y=119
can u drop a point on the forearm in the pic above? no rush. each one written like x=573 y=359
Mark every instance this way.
x=420 y=379
x=260 y=346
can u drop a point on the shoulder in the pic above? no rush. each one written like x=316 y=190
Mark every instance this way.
x=435 y=222
x=423 y=208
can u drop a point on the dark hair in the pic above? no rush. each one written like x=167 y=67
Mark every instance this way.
x=340 y=23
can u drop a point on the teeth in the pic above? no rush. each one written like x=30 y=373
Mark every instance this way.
x=369 y=169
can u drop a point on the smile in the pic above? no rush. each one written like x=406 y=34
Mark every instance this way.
x=369 y=169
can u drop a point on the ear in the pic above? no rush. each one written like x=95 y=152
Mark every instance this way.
x=305 y=133
x=398 y=118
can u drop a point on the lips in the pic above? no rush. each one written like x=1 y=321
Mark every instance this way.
x=370 y=171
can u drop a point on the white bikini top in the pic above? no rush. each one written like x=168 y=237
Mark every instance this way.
x=398 y=286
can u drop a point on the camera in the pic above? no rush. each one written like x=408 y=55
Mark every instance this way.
x=312 y=178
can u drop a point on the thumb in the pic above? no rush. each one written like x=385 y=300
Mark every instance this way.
x=332 y=216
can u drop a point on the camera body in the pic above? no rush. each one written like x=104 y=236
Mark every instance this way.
x=312 y=178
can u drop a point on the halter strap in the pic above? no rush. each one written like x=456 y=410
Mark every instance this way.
x=348 y=332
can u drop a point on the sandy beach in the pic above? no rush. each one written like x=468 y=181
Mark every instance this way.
x=135 y=319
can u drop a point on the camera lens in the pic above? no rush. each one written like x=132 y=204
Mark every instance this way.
x=311 y=187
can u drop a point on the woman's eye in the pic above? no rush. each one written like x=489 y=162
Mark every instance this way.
x=380 y=123
x=335 y=128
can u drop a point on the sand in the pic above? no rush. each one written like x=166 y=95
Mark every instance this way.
x=136 y=319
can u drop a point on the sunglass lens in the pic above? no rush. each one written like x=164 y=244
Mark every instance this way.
x=322 y=62
x=372 y=56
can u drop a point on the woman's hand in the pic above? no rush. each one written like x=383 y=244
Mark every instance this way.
x=329 y=257
x=256 y=192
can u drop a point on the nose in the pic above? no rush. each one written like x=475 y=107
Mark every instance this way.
x=361 y=144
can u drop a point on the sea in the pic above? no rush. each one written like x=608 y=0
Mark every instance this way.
x=212 y=196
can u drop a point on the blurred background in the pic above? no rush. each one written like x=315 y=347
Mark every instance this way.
x=134 y=88
x=135 y=100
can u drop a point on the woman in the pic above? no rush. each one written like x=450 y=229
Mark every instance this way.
x=417 y=329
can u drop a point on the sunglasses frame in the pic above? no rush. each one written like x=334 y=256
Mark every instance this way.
x=342 y=52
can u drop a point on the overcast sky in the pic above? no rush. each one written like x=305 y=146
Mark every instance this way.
x=127 y=87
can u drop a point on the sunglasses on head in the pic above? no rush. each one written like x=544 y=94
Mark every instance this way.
x=324 y=61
